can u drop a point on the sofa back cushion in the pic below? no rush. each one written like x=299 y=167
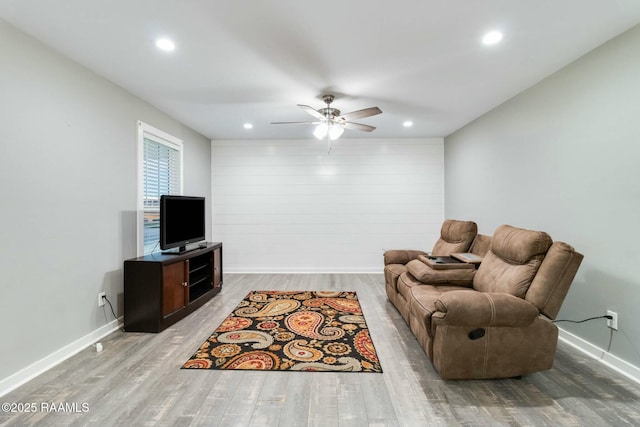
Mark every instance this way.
x=513 y=261
x=481 y=245
x=551 y=284
x=455 y=236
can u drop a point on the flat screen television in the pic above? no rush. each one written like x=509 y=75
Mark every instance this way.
x=182 y=221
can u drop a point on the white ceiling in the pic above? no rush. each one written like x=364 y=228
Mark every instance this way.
x=253 y=61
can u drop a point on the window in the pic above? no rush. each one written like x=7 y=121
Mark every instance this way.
x=159 y=172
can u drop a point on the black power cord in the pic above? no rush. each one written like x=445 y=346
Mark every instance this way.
x=104 y=297
x=153 y=251
x=592 y=318
x=584 y=320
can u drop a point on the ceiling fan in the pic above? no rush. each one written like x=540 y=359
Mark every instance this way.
x=331 y=124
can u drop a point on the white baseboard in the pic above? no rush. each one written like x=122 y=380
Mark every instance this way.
x=300 y=271
x=625 y=368
x=30 y=372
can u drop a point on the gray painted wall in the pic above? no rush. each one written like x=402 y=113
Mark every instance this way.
x=68 y=195
x=564 y=157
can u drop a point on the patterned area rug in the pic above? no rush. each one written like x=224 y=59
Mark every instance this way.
x=294 y=331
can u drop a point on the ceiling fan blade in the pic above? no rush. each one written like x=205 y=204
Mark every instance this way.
x=358 y=126
x=295 y=123
x=367 y=112
x=315 y=113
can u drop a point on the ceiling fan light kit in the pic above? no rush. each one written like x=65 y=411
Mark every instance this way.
x=331 y=124
x=333 y=131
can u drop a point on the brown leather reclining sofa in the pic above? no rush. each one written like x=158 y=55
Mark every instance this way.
x=489 y=322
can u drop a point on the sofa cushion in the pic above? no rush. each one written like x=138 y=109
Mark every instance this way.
x=425 y=274
x=405 y=283
x=455 y=236
x=391 y=274
x=551 y=284
x=481 y=245
x=512 y=261
x=519 y=246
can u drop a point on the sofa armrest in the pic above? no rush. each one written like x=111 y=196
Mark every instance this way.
x=401 y=256
x=483 y=309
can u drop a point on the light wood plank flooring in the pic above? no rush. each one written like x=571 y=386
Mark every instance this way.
x=137 y=380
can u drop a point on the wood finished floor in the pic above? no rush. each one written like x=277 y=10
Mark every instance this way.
x=137 y=380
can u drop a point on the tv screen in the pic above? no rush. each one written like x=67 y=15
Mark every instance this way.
x=181 y=221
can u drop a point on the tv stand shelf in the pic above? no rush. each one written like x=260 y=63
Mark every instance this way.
x=160 y=289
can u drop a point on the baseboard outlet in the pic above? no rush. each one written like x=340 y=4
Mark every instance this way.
x=621 y=366
x=30 y=372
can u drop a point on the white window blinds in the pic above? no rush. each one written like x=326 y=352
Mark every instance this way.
x=161 y=174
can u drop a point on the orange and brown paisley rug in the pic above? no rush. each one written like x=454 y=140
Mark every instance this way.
x=291 y=331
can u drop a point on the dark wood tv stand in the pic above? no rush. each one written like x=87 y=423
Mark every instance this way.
x=160 y=289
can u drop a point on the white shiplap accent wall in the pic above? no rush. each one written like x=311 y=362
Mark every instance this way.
x=288 y=206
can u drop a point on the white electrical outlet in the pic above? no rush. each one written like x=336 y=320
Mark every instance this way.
x=613 y=322
x=101 y=297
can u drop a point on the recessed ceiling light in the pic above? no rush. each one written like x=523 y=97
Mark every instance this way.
x=247 y=126
x=407 y=124
x=492 y=37
x=165 y=44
